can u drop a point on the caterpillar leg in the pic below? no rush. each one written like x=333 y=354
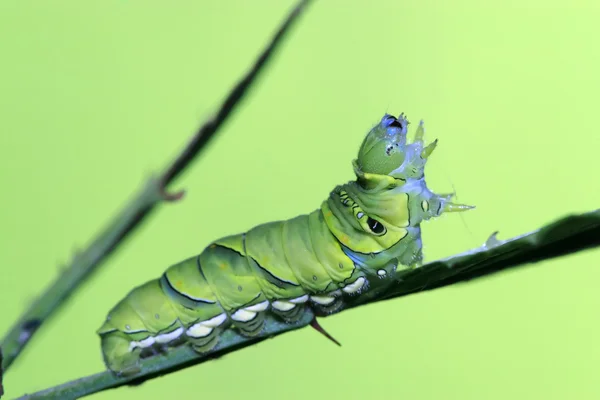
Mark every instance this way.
x=204 y=345
x=289 y=310
x=204 y=335
x=118 y=355
x=252 y=327
x=326 y=304
x=413 y=263
x=250 y=320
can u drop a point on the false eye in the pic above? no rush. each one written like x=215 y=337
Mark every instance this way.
x=375 y=226
x=396 y=124
x=389 y=120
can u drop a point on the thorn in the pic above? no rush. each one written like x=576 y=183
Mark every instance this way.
x=493 y=240
x=420 y=133
x=171 y=197
x=426 y=152
x=315 y=324
x=453 y=207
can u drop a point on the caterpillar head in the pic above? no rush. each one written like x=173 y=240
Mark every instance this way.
x=386 y=159
x=385 y=150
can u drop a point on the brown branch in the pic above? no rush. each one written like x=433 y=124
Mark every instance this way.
x=132 y=215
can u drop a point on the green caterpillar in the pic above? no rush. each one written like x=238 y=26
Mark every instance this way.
x=367 y=228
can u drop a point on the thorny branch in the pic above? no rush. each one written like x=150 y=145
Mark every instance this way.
x=132 y=215
x=565 y=236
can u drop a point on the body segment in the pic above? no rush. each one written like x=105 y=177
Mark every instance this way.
x=365 y=229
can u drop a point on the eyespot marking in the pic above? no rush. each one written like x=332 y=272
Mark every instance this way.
x=375 y=226
x=389 y=121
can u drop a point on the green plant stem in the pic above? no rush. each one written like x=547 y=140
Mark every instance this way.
x=156 y=366
x=1 y=387
x=132 y=215
x=564 y=236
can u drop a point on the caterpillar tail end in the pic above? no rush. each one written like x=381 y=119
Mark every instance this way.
x=117 y=355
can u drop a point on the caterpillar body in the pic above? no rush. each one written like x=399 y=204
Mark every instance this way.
x=366 y=229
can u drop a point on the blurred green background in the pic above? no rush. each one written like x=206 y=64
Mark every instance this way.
x=95 y=96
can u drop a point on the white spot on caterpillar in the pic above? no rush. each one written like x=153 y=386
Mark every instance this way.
x=283 y=305
x=146 y=342
x=359 y=215
x=258 y=307
x=215 y=321
x=142 y=343
x=381 y=272
x=243 y=315
x=198 y=330
x=167 y=337
x=355 y=286
x=299 y=300
x=204 y=328
x=323 y=300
